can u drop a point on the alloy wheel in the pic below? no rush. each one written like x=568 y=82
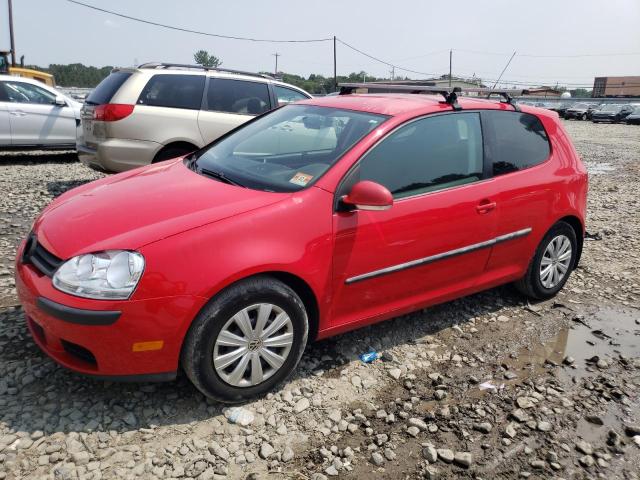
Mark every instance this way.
x=555 y=262
x=253 y=345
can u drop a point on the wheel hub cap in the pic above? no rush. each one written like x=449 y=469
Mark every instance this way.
x=253 y=345
x=555 y=262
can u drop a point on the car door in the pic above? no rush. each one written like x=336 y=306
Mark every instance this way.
x=36 y=119
x=435 y=240
x=518 y=147
x=5 y=125
x=230 y=103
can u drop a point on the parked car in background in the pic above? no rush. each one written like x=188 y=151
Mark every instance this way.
x=634 y=117
x=314 y=219
x=594 y=108
x=578 y=111
x=34 y=115
x=612 y=112
x=138 y=116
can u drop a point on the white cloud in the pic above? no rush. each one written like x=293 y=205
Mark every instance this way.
x=111 y=24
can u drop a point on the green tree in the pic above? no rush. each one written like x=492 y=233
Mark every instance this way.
x=204 y=58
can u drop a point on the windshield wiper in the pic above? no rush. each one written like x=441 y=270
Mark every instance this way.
x=218 y=176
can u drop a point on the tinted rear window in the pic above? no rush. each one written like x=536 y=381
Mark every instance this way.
x=107 y=88
x=519 y=141
x=238 y=96
x=175 y=91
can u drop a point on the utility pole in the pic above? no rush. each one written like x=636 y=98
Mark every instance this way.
x=450 y=62
x=393 y=73
x=335 y=74
x=276 y=70
x=13 y=43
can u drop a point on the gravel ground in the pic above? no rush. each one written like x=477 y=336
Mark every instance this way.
x=488 y=386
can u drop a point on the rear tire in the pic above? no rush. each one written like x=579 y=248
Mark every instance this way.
x=216 y=333
x=552 y=263
x=169 y=152
x=583 y=116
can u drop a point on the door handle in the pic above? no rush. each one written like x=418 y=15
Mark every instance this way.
x=17 y=113
x=485 y=206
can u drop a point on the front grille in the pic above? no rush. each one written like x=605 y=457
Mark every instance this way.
x=36 y=255
x=79 y=352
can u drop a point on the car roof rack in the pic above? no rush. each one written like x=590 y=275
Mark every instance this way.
x=160 y=65
x=506 y=93
x=450 y=94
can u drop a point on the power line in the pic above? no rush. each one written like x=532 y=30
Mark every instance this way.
x=180 y=29
x=382 y=61
x=530 y=55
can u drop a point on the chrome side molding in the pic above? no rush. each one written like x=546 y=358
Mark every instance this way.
x=440 y=256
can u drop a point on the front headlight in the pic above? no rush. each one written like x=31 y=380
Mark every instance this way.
x=109 y=275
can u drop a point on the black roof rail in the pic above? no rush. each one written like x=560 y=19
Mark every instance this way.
x=506 y=93
x=450 y=94
x=158 y=65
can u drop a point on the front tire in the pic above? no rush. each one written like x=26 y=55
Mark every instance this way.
x=552 y=263
x=246 y=341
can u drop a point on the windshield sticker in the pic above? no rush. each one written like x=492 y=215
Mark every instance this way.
x=301 y=179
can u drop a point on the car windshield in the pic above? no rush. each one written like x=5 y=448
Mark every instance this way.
x=610 y=108
x=579 y=106
x=287 y=149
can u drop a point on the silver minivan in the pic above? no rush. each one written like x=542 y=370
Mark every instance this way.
x=137 y=116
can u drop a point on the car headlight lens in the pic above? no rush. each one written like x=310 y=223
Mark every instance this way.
x=109 y=275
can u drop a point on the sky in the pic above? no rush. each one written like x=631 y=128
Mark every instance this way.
x=552 y=38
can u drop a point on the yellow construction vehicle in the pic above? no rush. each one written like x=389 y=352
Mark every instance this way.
x=6 y=68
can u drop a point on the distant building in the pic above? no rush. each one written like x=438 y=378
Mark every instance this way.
x=616 y=87
x=543 y=92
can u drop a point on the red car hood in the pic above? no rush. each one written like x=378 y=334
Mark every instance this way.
x=129 y=210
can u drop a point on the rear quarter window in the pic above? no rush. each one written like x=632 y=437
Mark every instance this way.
x=518 y=141
x=238 y=96
x=174 y=91
x=107 y=88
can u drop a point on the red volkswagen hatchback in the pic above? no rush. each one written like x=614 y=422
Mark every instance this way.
x=311 y=220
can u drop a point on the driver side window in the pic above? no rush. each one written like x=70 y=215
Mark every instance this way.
x=20 y=92
x=429 y=154
x=238 y=96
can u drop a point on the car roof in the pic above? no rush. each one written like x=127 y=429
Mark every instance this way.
x=395 y=104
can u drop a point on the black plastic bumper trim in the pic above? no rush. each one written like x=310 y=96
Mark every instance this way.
x=142 y=378
x=77 y=315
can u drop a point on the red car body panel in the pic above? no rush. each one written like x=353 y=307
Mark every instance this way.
x=199 y=236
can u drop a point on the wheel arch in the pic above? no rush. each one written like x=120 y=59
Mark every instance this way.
x=578 y=228
x=182 y=144
x=296 y=283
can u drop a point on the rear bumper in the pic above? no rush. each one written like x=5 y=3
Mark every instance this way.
x=118 y=155
x=131 y=340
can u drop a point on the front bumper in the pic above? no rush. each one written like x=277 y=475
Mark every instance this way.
x=137 y=340
x=117 y=155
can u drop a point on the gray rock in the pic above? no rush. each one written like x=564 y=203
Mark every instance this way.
x=266 y=450
x=389 y=454
x=483 y=427
x=446 y=455
x=440 y=394
x=301 y=405
x=586 y=461
x=287 y=454
x=416 y=422
x=584 y=447
x=544 y=426
x=430 y=454
x=464 y=459
x=413 y=431
x=395 y=373
x=377 y=459
x=524 y=402
x=510 y=431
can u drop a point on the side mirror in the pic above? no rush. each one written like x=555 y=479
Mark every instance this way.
x=60 y=102
x=367 y=195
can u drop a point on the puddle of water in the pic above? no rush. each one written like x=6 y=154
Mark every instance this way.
x=599 y=168
x=606 y=334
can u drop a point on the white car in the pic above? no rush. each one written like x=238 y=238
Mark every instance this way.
x=34 y=115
